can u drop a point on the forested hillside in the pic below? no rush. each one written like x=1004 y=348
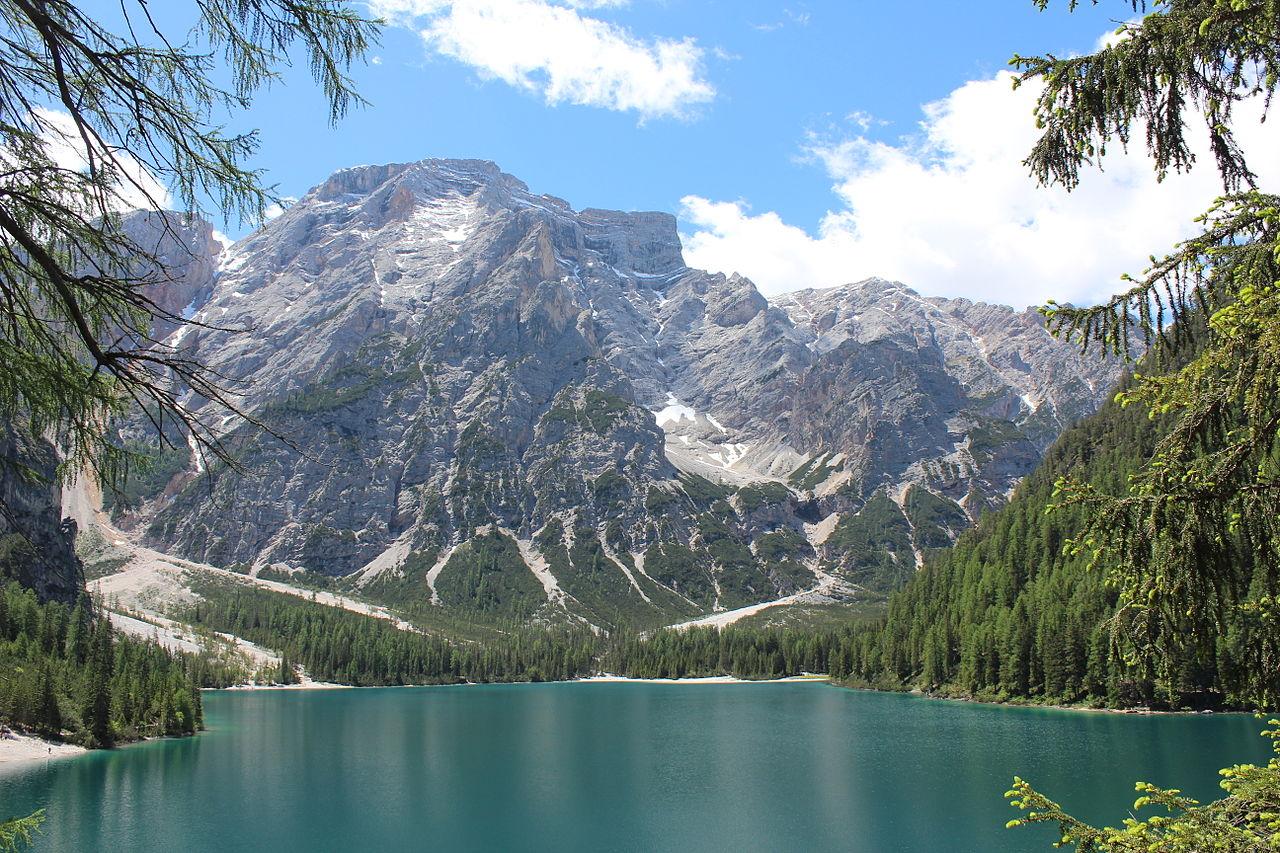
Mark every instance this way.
x=1014 y=611
x=66 y=674
x=350 y=648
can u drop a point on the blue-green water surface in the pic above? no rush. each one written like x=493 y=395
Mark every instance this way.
x=587 y=767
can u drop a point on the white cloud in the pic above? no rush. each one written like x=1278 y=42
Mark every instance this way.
x=1111 y=38
x=548 y=47
x=137 y=189
x=865 y=120
x=952 y=212
x=276 y=208
x=799 y=19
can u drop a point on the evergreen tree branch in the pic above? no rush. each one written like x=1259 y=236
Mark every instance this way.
x=76 y=318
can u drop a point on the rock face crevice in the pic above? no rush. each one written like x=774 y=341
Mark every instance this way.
x=448 y=351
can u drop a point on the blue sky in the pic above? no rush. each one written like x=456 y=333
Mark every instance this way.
x=816 y=64
x=800 y=143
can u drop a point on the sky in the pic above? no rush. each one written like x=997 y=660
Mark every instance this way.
x=801 y=144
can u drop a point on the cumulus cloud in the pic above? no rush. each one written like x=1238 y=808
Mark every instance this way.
x=551 y=48
x=951 y=211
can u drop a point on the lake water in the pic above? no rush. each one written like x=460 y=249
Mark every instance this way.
x=587 y=767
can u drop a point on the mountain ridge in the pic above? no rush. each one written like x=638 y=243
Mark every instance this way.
x=452 y=353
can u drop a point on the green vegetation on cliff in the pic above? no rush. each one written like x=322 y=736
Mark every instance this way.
x=350 y=648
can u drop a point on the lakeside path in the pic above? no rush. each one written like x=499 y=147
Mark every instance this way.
x=706 y=679
x=604 y=678
x=19 y=751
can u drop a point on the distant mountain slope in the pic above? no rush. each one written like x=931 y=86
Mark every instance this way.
x=1008 y=613
x=503 y=406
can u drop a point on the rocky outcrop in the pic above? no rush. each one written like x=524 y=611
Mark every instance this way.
x=181 y=253
x=37 y=546
x=961 y=397
x=437 y=351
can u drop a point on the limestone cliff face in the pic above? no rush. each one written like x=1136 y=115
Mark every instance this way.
x=186 y=252
x=961 y=397
x=36 y=547
x=457 y=363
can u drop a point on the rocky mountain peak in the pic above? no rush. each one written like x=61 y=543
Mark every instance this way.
x=644 y=245
x=641 y=243
x=449 y=352
x=429 y=176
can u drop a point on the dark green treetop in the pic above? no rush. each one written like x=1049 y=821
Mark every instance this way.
x=1209 y=314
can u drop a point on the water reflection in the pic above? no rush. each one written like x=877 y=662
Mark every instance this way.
x=612 y=767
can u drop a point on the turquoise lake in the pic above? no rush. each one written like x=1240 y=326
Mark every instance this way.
x=587 y=767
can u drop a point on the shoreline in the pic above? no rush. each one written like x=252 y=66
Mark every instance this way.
x=302 y=685
x=21 y=751
x=806 y=678
x=608 y=678
x=602 y=678
x=969 y=700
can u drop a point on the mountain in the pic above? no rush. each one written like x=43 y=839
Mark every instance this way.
x=499 y=405
x=182 y=262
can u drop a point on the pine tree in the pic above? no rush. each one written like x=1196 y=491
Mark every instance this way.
x=48 y=715
x=19 y=832
x=97 y=714
x=1208 y=503
x=1182 y=537
x=77 y=647
x=287 y=675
